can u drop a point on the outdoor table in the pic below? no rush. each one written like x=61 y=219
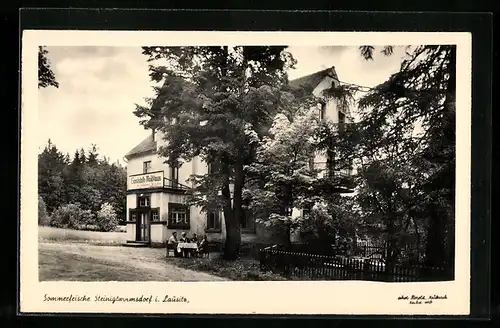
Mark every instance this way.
x=181 y=246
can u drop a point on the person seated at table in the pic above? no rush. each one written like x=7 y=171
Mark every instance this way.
x=184 y=239
x=194 y=240
x=203 y=245
x=173 y=241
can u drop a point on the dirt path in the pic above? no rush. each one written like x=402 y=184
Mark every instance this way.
x=146 y=263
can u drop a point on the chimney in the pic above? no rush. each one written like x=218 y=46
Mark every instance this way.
x=153 y=133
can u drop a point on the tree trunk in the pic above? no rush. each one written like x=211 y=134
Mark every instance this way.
x=233 y=240
x=233 y=221
x=232 y=210
x=288 y=234
x=435 y=251
x=417 y=237
x=330 y=160
x=391 y=248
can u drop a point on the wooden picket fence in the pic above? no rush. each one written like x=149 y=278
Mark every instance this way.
x=323 y=267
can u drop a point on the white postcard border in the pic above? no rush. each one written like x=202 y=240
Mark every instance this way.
x=304 y=297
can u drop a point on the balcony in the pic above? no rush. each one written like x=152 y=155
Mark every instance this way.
x=175 y=185
x=343 y=173
x=154 y=181
x=339 y=181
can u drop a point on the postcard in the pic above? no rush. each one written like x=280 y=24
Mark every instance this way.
x=208 y=172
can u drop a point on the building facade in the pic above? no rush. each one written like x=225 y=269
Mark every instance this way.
x=156 y=192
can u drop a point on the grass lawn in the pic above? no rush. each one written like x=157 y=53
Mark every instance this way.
x=54 y=265
x=51 y=234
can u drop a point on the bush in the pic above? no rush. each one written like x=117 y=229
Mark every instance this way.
x=43 y=216
x=71 y=216
x=107 y=219
x=325 y=234
x=318 y=232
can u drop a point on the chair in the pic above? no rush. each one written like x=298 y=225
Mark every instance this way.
x=171 y=247
x=205 y=250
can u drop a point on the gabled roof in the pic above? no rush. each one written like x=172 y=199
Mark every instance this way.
x=311 y=81
x=147 y=145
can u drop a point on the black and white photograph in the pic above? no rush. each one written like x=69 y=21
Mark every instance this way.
x=251 y=163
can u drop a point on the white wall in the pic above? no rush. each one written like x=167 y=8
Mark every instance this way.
x=135 y=164
x=331 y=106
x=158 y=233
x=198 y=219
x=131 y=231
x=186 y=168
x=131 y=203
x=331 y=114
x=156 y=200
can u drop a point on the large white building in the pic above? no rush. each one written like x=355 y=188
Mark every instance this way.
x=156 y=192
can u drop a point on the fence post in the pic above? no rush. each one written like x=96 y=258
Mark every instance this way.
x=261 y=260
x=286 y=266
x=366 y=270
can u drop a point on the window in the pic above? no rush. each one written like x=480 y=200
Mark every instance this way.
x=178 y=216
x=213 y=220
x=146 y=167
x=143 y=201
x=288 y=211
x=155 y=215
x=306 y=210
x=311 y=163
x=174 y=174
x=322 y=111
x=213 y=167
x=132 y=216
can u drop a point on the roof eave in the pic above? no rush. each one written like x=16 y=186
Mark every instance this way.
x=139 y=154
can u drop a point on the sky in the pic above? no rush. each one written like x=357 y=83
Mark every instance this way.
x=99 y=87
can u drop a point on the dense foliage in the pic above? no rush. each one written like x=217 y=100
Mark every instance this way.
x=403 y=147
x=284 y=175
x=406 y=156
x=71 y=216
x=86 y=182
x=106 y=219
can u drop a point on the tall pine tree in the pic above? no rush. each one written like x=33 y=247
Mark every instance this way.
x=46 y=76
x=51 y=185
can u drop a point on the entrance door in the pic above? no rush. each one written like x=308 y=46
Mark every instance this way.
x=143 y=226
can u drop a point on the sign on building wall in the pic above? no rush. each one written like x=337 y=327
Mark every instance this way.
x=145 y=181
